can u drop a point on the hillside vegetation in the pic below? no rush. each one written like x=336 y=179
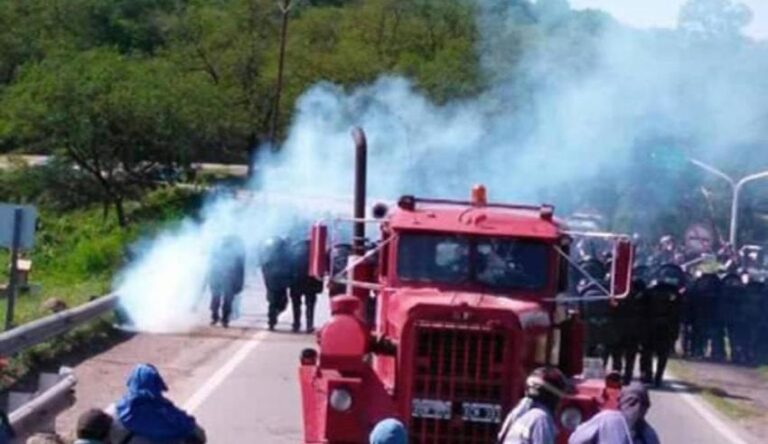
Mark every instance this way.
x=78 y=249
x=120 y=92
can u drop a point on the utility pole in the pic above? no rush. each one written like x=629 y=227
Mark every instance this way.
x=285 y=7
x=736 y=188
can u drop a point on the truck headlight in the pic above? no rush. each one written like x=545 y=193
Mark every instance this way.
x=340 y=400
x=570 y=418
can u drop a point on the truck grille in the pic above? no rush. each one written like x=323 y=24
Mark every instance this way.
x=458 y=391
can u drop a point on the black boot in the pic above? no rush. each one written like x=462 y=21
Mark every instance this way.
x=310 y=301
x=215 y=304
x=296 y=308
x=272 y=314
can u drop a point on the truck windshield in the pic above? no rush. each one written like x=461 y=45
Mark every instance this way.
x=497 y=263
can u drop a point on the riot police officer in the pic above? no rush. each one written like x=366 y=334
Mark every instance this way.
x=662 y=321
x=303 y=286
x=226 y=277
x=339 y=256
x=631 y=321
x=276 y=271
x=701 y=301
x=754 y=317
x=599 y=314
x=666 y=252
x=762 y=325
x=734 y=302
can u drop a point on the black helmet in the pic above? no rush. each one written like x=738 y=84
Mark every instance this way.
x=594 y=268
x=669 y=274
x=732 y=280
x=272 y=247
x=641 y=274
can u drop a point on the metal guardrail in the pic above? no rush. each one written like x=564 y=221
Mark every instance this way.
x=53 y=399
x=36 y=332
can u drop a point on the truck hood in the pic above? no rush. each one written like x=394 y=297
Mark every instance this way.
x=407 y=304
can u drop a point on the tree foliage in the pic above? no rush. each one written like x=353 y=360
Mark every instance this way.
x=116 y=118
x=120 y=87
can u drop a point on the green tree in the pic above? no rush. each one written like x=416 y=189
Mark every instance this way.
x=235 y=45
x=115 y=117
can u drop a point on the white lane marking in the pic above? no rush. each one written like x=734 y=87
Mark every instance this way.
x=706 y=412
x=205 y=391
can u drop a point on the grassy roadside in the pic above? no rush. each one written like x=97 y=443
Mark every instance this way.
x=731 y=407
x=75 y=257
x=77 y=253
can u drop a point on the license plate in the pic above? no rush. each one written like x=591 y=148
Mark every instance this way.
x=430 y=408
x=471 y=411
x=480 y=412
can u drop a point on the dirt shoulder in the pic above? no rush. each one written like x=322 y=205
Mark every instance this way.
x=184 y=360
x=740 y=393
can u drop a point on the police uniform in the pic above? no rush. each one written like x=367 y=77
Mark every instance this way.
x=226 y=278
x=662 y=304
x=303 y=286
x=700 y=307
x=734 y=302
x=599 y=316
x=754 y=318
x=276 y=271
x=338 y=257
x=631 y=322
x=762 y=326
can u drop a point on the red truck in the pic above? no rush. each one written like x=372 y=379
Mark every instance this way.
x=443 y=319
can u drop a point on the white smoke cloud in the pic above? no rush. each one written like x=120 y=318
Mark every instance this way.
x=572 y=106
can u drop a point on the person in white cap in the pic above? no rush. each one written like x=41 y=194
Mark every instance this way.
x=532 y=420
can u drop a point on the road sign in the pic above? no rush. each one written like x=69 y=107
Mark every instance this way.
x=27 y=229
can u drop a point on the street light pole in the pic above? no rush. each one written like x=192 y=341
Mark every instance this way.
x=736 y=194
x=736 y=187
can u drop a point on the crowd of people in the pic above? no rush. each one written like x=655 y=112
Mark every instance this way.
x=532 y=420
x=712 y=306
x=703 y=306
x=144 y=415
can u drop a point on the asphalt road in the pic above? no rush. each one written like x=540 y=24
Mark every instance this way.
x=241 y=383
x=256 y=395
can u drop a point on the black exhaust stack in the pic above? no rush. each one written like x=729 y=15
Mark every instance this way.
x=361 y=167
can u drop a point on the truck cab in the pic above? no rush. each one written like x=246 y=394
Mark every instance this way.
x=443 y=319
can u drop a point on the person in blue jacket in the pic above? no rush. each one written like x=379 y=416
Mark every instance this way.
x=145 y=416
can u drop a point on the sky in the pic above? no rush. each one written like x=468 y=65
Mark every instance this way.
x=663 y=13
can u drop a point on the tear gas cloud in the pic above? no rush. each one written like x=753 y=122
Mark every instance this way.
x=553 y=118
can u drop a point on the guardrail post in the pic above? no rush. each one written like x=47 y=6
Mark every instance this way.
x=10 y=292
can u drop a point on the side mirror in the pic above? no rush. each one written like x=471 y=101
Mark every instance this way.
x=318 y=251
x=621 y=270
